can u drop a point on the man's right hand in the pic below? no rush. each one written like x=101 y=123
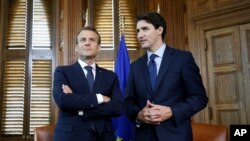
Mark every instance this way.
x=145 y=115
x=106 y=98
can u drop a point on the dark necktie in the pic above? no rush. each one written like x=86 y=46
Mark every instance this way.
x=90 y=77
x=152 y=70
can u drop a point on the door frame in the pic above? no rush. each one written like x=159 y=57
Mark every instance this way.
x=198 y=46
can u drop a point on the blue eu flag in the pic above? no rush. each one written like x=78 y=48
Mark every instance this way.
x=123 y=127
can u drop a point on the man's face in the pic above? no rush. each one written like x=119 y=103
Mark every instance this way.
x=87 y=46
x=147 y=35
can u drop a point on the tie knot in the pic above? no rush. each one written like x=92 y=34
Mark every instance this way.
x=153 y=56
x=88 y=68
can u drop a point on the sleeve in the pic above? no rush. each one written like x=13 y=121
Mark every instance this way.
x=70 y=102
x=196 y=98
x=113 y=108
x=132 y=109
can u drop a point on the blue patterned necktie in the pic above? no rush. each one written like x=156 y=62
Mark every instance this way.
x=90 y=77
x=152 y=70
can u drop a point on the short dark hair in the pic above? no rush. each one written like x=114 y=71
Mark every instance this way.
x=155 y=19
x=89 y=28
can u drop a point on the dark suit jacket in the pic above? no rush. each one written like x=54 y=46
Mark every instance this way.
x=178 y=85
x=72 y=127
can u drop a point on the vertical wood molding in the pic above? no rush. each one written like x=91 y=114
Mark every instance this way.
x=1 y=47
x=173 y=12
x=153 y=4
x=74 y=25
x=63 y=33
x=71 y=21
x=141 y=8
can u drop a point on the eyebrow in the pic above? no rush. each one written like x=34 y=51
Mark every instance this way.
x=143 y=28
x=91 y=38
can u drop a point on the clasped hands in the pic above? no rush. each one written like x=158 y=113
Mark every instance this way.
x=154 y=114
x=67 y=90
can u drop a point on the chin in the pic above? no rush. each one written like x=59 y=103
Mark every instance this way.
x=144 y=46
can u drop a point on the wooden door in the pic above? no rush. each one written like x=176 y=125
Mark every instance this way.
x=245 y=47
x=226 y=90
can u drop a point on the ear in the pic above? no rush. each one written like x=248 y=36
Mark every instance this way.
x=160 y=30
x=76 y=48
x=99 y=48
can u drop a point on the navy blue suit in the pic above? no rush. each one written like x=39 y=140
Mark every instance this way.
x=178 y=85
x=95 y=124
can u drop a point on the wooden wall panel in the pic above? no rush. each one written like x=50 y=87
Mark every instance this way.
x=201 y=5
x=71 y=20
x=207 y=6
x=204 y=16
x=174 y=13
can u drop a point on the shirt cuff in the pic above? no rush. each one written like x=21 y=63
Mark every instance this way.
x=80 y=113
x=137 y=123
x=99 y=98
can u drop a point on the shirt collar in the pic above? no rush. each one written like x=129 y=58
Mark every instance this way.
x=83 y=64
x=158 y=52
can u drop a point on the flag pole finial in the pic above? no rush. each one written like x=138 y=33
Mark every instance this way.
x=158 y=8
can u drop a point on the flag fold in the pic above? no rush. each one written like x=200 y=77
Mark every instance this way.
x=123 y=127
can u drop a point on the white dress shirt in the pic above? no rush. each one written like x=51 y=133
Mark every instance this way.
x=83 y=64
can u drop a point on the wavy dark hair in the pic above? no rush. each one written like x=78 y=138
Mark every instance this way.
x=155 y=19
x=89 y=28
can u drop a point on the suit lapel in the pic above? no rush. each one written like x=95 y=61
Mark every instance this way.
x=98 y=79
x=166 y=61
x=78 y=72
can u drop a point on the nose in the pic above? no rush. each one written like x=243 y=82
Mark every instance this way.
x=87 y=42
x=139 y=35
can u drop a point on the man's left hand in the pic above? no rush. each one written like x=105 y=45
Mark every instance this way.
x=159 y=113
x=66 y=89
